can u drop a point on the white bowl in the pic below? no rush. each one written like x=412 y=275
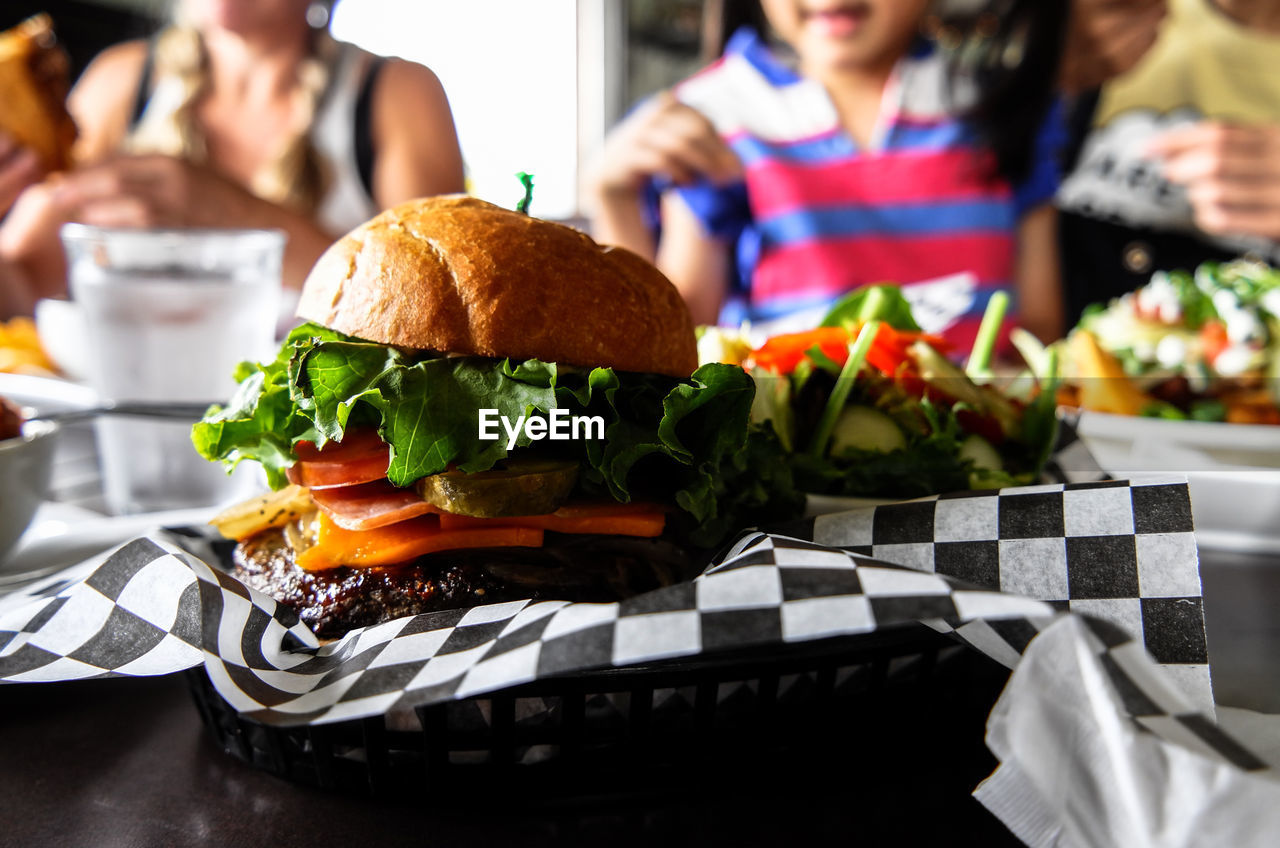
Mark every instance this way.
x=25 y=466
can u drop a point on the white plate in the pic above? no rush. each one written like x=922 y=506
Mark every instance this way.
x=1251 y=445
x=1233 y=471
x=62 y=535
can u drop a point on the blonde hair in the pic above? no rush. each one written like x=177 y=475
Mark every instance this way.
x=295 y=177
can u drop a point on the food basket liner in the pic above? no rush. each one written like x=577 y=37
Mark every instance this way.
x=991 y=567
x=1100 y=575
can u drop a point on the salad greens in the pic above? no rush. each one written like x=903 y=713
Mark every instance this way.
x=1186 y=338
x=868 y=406
x=882 y=303
x=687 y=442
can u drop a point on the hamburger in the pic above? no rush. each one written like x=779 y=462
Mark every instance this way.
x=34 y=81
x=484 y=406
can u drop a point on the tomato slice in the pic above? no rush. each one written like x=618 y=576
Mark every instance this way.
x=368 y=506
x=361 y=457
x=404 y=541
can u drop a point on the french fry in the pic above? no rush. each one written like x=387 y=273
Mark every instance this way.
x=274 y=509
x=1104 y=387
x=20 y=349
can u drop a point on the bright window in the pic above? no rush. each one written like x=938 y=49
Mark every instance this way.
x=510 y=68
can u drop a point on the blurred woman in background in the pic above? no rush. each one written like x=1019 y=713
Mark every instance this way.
x=852 y=143
x=241 y=114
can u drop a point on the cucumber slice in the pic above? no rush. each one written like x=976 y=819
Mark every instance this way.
x=985 y=459
x=865 y=428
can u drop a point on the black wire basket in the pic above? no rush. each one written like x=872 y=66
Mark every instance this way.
x=619 y=727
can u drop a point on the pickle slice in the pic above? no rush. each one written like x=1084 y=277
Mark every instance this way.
x=518 y=487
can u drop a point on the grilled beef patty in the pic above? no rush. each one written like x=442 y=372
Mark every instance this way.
x=567 y=567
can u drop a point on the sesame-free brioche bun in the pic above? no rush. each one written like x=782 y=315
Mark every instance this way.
x=455 y=274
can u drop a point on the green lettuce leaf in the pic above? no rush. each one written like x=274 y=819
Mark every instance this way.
x=891 y=307
x=686 y=442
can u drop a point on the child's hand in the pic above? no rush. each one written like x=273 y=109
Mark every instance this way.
x=1231 y=173
x=664 y=138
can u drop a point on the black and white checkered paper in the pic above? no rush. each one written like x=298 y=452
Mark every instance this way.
x=994 y=568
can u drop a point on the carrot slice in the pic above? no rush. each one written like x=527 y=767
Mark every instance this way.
x=643 y=520
x=602 y=508
x=404 y=541
x=783 y=353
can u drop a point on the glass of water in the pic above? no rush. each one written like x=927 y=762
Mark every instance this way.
x=168 y=314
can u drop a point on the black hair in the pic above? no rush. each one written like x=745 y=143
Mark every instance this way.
x=722 y=18
x=1008 y=49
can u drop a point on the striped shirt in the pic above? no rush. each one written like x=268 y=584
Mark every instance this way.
x=816 y=216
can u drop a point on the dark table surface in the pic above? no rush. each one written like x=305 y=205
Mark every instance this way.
x=128 y=763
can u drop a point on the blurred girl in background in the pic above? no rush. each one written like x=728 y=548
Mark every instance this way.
x=244 y=113
x=851 y=142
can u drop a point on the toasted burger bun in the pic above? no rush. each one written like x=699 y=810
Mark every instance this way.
x=33 y=88
x=455 y=274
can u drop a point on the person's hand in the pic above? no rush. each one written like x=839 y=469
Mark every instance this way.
x=1231 y=174
x=19 y=168
x=1106 y=38
x=152 y=191
x=16 y=297
x=131 y=191
x=663 y=138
